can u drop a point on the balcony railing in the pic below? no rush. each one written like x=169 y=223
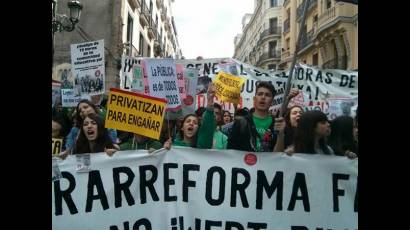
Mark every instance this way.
x=336 y=63
x=286 y=25
x=299 y=11
x=158 y=47
x=135 y=4
x=333 y=13
x=306 y=39
x=274 y=31
x=152 y=29
x=163 y=14
x=167 y=25
x=285 y=54
x=331 y=64
x=159 y=2
x=274 y=54
x=131 y=51
x=145 y=14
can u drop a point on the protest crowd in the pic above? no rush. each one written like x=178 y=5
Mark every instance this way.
x=251 y=129
x=167 y=115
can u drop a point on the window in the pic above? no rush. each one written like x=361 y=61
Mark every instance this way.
x=150 y=7
x=149 y=51
x=288 y=43
x=272 y=49
x=160 y=34
x=273 y=24
x=328 y=4
x=130 y=23
x=315 y=18
x=141 y=45
x=156 y=20
x=315 y=59
x=272 y=66
x=273 y=3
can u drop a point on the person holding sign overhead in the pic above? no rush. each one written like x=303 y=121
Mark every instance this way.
x=209 y=125
x=93 y=137
x=259 y=131
x=292 y=118
x=187 y=133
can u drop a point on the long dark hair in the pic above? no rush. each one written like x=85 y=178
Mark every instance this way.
x=289 y=130
x=181 y=133
x=102 y=141
x=304 y=141
x=341 y=138
x=77 y=109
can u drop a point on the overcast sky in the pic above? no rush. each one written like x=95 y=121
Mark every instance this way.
x=207 y=28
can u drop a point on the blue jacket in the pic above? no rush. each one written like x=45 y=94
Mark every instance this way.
x=72 y=137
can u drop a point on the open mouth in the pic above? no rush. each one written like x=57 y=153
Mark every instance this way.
x=90 y=132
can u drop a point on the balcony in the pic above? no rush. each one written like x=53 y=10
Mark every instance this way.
x=306 y=39
x=285 y=54
x=167 y=25
x=169 y=34
x=131 y=51
x=145 y=14
x=274 y=55
x=286 y=26
x=152 y=30
x=271 y=32
x=331 y=64
x=158 y=47
x=336 y=63
x=163 y=13
x=135 y=4
x=336 y=13
x=159 y=2
x=299 y=11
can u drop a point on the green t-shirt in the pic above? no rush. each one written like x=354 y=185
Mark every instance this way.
x=147 y=144
x=179 y=142
x=220 y=140
x=261 y=124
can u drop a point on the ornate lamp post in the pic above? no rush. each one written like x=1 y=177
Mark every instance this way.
x=62 y=23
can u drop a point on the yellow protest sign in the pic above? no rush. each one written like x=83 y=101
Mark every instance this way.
x=56 y=146
x=228 y=87
x=136 y=113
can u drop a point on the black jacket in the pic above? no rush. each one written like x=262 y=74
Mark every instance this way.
x=243 y=135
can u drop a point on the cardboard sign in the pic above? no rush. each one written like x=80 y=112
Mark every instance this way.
x=228 y=87
x=136 y=113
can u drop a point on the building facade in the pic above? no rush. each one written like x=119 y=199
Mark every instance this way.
x=260 y=41
x=129 y=27
x=329 y=38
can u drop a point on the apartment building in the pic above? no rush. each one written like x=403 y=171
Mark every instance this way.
x=259 y=43
x=329 y=37
x=129 y=27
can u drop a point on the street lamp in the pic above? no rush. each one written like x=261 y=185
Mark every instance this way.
x=64 y=23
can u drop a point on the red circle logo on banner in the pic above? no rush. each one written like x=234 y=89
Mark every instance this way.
x=188 y=100
x=250 y=159
x=97 y=73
